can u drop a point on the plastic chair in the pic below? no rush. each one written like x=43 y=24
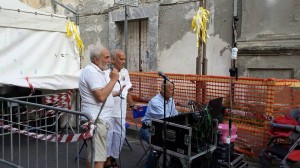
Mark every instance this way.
x=83 y=145
x=137 y=116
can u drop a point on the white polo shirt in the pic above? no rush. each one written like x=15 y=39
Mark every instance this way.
x=124 y=80
x=93 y=78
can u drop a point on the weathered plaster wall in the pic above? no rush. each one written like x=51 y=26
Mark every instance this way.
x=270 y=18
x=177 y=43
x=266 y=64
x=270 y=39
x=220 y=37
x=47 y=6
x=93 y=23
x=94 y=30
x=39 y=4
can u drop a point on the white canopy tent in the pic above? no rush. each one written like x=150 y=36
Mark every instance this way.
x=34 y=49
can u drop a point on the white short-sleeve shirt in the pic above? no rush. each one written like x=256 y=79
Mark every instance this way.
x=124 y=79
x=93 y=78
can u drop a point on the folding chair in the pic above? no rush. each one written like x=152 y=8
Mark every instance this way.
x=137 y=116
x=127 y=143
x=82 y=121
x=78 y=155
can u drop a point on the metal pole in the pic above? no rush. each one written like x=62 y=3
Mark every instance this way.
x=200 y=58
x=165 y=127
x=64 y=6
x=77 y=19
x=126 y=34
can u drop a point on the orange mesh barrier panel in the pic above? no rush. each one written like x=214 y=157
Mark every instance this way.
x=254 y=100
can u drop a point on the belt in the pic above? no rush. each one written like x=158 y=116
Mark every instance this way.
x=145 y=125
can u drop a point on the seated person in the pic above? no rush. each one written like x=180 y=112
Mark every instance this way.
x=155 y=110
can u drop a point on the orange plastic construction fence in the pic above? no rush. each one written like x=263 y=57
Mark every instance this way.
x=255 y=100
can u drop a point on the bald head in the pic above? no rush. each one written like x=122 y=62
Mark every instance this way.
x=119 y=59
x=169 y=89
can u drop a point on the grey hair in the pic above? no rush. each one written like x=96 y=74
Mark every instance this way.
x=95 y=51
x=115 y=51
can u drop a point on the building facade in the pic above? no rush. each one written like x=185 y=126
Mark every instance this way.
x=160 y=35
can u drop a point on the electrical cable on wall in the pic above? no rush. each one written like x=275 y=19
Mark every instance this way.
x=233 y=73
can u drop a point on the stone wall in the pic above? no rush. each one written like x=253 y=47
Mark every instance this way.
x=269 y=43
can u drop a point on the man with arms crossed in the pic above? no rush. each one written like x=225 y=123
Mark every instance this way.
x=121 y=93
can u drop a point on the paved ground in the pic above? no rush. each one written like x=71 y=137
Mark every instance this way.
x=128 y=159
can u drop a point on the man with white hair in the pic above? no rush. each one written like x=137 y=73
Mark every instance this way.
x=95 y=87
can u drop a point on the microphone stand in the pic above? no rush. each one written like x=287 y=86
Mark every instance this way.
x=165 y=127
x=164 y=123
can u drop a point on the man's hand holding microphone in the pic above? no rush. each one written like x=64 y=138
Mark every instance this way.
x=114 y=74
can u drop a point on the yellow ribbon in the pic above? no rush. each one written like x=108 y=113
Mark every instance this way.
x=199 y=24
x=72 y=31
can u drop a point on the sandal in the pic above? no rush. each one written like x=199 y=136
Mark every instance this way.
x=111 y=166
x=106 y=165
x=114 y=163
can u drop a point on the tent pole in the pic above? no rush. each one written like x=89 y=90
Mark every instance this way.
x=64 y=6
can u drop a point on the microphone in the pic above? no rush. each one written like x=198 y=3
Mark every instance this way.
x=160 y=73
x=111 y=67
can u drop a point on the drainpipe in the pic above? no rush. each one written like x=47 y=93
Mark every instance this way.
x=126 y=33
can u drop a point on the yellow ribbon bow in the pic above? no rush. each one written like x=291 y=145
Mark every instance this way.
x=72 y=31
x=199 y=24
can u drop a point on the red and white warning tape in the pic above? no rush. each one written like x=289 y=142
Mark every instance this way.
x=63 y=138
x=62 y=98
